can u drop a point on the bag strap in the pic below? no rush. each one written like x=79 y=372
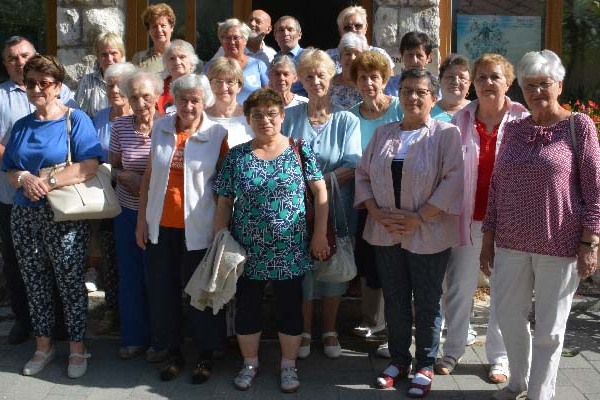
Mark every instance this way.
x=69 y=136
x=336 y=194
x=296 y=146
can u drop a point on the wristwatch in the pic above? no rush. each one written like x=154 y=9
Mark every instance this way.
x=591 y=245
x=53 y=182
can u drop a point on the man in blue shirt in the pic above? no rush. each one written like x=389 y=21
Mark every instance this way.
x=14 y=105
x=287 y=36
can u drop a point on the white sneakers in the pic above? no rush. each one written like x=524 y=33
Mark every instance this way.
x=33 y=367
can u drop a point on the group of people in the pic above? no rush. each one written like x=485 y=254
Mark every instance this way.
x=433 y=187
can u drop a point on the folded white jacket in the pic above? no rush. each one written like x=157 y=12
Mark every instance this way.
x=214 y=282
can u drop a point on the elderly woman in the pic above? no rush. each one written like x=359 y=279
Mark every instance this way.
x=50 y=251
x=103 y=120
x=233 y=35
x=334 y=137
x=226 y=81
x=282 y=75
x=482 y=123
x=175 y=223
x=129 y=152
x=344 y=93
x=179 y=59
x=370 y=73
x=455 y=81
x=159 y=20
x=410 y=181
x=91 y=92
x=249 y=184
x=552 y=159
x=353 y=19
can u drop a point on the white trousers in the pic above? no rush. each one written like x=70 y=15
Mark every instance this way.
x=462 y=276
x=554 y=280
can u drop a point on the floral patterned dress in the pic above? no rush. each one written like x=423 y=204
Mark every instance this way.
x=269 y=214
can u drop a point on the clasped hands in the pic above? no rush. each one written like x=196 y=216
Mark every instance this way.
x=396 y=221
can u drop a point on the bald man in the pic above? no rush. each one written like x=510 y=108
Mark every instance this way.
x=260 y=25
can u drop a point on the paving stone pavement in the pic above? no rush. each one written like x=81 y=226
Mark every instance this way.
x=347 y=378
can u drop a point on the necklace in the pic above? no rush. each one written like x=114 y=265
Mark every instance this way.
x=144 y=134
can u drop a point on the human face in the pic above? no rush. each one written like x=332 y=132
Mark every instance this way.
x=259 y=23
x=190 y=104
x=369 y=83
x=115 y=97
x=233 y=42
x=225 y=87
x=347 y=56
x=142 y=98
x=541 y=92
x=353 y=23
x=490 y=82
x=265 y=121
x=455 y=82
x=42 y=89
x=160 y=31
x=15 y=58
x=415 y=58
x=281 y=78
x=416 y=98
x=108 y=56
x=178 y=63
x=286 y=34
x=316 y=82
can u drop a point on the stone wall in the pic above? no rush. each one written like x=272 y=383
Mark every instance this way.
x=78 y=24
x=394 y=18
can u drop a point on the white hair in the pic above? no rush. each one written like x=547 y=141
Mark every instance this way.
x=352 y=40
x=194 y=82
x=540 y=63
x=186 y=48
x=141 y=75
x=283 y=60
x=233 y=23
x=118 y=70
x=349 y=11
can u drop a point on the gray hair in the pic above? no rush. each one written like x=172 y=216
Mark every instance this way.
x=185 y=47
x=349 y=11
x=193 y=82
x=283 y=60
x=294 y=19
x=352 y=40
x=233 y=23
x=15 y=40
x=141 y=75
x=540 y=63
x=434 y=83
x=119 y=70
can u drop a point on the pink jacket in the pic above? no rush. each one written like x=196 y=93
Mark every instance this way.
x=465 y=121
x=432 y=173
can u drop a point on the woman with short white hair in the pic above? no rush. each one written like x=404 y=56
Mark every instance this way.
x=344 y=93
x=542 y=225
x=282 y=75
x=179 y=59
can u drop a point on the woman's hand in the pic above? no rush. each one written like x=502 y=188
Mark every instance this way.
x=319 y=246
x=392 y=219
x=486 y=257
x=587 y=259
x=410 y=221
x=141 y=232
x=130 y=181
x=34 y=187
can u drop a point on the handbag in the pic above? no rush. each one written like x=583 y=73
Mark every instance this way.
x=341 y=267
x=94 y=198
x=310 y=207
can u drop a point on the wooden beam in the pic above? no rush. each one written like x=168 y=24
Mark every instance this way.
x=553 y=30
x=190 y=22
x=241 y=9
x=132 y=20
x=51 y=27
x=445 y=28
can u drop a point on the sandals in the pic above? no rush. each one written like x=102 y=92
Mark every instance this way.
x=499 y=372
x=245 y=378
x=387 y=379
x=304 y=351
x=446 y=365
x=289 y=380
x=332 y=351
x=78 y=370
x=418 y=390
x=33 y=367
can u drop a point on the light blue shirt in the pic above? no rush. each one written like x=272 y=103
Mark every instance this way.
x=295 y=53
x=367 y=126
x=337 y=145
x=14 y=105
x=439 y=114
x=103 y=124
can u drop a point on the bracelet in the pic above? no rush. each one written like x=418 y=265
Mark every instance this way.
x=20 y=178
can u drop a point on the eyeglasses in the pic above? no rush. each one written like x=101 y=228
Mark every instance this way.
x=452 y=78
x=259 y=116
x=43 y=85
x=221 y=82
x=234 y=38
x=534 y=87
x=351 y=27
x=421 y=93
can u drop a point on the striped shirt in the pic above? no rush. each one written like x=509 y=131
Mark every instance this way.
x=135 y=152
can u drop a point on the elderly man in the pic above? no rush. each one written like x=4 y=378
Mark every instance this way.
x=353 y=19
x=14 y=106
x=260 y=25
x=287 y=35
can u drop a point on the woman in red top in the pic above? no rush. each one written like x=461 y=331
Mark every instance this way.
x=179 y=59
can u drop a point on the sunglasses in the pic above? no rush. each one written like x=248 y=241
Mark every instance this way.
x=43 y=85
x=351 y=27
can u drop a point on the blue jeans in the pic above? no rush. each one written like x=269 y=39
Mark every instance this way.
x=406 y=278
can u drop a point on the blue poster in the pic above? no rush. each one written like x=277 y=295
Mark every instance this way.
x=510 y=36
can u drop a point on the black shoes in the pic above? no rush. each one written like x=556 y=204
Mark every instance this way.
x=19 y=332
x=201 y=372
x=172 y=368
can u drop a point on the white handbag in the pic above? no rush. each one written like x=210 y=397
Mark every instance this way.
x=341 y=267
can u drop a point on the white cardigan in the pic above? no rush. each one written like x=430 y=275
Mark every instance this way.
x=201 y=153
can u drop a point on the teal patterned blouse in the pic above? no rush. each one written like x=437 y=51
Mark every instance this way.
x=268 y=213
